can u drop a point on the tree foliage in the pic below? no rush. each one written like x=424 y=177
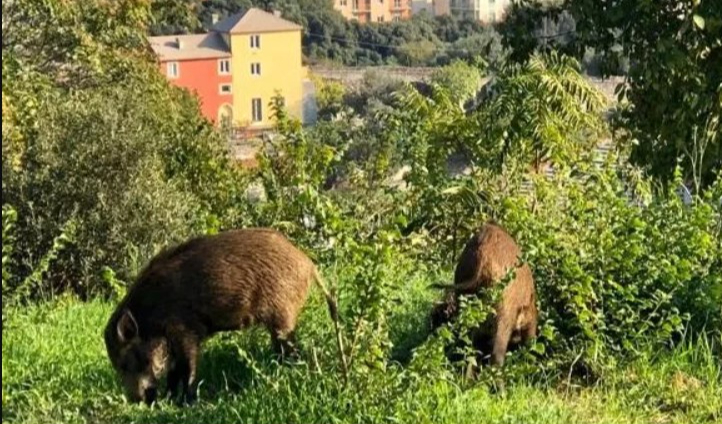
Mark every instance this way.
x=670 y=53
x=674 y=86
x=461 y=80
x=94 y=135
x=619 y=262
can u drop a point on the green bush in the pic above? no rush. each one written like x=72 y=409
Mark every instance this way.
x=460 y=79
x=614 y=275
x=10 y=217
x=104 y=145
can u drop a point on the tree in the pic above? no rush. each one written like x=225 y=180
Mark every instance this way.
x=174 y=17
x=542 y=111
x=460 y=79
x=96 y=139
x=533 y=26
x=674 y=86
x=416 y=53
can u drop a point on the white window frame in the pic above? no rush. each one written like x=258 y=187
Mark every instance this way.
x=256 y=113
x=221 y=63
x=172 y=70
x=255 y=41
x=225 y=93
x=256 y=69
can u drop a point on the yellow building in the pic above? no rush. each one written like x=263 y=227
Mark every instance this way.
x=238 y=67
x=265 y=60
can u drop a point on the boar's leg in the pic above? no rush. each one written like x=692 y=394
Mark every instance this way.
x=183 y=373
x=283 y=336
x=529 y=332
x=504 y=328
x=173 y=382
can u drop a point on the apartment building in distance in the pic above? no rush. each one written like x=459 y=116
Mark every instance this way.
x=366 y=11
x=486 y=11
x=238 y=67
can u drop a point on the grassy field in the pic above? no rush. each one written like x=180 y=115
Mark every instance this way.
x=55 y=370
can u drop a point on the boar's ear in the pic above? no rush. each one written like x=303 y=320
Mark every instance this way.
x=127 y=327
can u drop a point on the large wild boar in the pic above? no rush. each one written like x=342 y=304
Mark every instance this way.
x=207 y=285
x=486 y=259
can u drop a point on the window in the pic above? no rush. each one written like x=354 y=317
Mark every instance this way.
x=256 y=110
x=224 y=66
x=380 y=19
x=396 y=17
x=255 y=41
x=255 y=69
x=173 y=70
x=397 y=4
x=343 y=2
x=225 y=89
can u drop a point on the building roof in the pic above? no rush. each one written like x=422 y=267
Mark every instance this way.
x=254 y=20
x=192 y=46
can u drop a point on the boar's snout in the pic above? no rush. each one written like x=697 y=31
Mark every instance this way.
x=142 y=389
x=140 y=363
x=150 y=395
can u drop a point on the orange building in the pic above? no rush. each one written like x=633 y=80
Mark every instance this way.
x=202 y=64
x=366 y=11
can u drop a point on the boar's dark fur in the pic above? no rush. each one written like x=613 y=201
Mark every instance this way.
x=209 y=284
x=485 y=261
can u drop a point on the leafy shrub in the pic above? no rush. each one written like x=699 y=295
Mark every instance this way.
x=103 y=144
x=97 y=158
x=614 y=275
x=329 y=97
x=10 y=217
x=460 y=79
x=18 y=289
x=619 y=263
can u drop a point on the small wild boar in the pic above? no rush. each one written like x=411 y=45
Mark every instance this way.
x=207 y=285
x=486 y=259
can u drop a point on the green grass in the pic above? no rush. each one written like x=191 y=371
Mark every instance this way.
x=55 y=370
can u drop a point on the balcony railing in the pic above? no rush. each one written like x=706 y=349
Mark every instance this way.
x=359 y=7
x=401 y=6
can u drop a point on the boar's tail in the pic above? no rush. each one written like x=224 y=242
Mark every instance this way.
x=466 y=286
x=330 y=298
x=333 y=311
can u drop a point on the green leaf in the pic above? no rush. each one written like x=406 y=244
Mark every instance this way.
x=699 y=21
